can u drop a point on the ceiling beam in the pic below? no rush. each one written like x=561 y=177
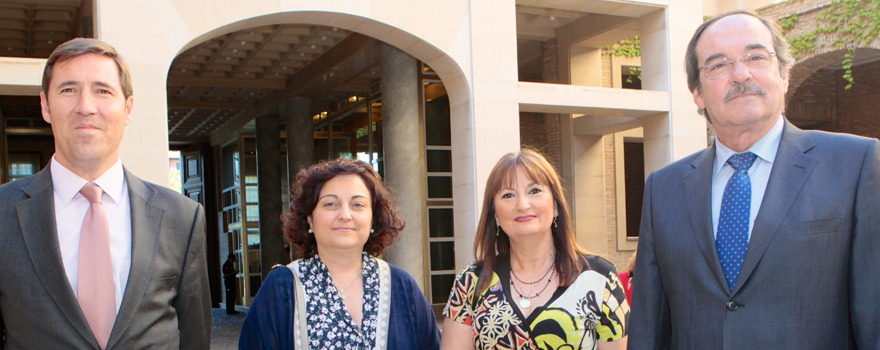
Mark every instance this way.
x=220 y=104
x=189 y=114
x=253 y=52
x=215 y=55
x=225 y=82
x=204 y=122
x=352 y=56
x=291 y=51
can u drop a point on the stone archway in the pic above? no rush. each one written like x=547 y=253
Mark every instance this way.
x=821 y=101
x=800 y=19
x=335 y=44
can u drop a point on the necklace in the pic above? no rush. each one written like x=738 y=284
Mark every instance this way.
x=342 y=292
x=539 y=280
x=524 y=301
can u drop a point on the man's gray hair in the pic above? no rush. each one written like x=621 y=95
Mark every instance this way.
x=780 y=45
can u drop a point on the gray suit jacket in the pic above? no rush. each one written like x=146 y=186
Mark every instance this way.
x=166 y=304
x=809 y=279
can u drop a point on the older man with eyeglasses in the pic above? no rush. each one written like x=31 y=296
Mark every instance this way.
x=770 y=238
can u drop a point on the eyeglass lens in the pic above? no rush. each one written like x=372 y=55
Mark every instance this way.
x=723 y=67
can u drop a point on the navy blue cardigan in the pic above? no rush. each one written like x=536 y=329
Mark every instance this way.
x=269 y=322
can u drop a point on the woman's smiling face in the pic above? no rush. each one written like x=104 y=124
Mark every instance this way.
x=344 y=214
x=524 y=207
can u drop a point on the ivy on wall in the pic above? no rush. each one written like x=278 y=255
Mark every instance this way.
x=856 y=23
x=631 y=47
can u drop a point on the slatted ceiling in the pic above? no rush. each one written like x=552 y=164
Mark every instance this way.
x=272 y=53
x=29 y=29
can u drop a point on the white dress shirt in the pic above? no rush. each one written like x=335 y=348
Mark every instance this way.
x=70 y=210
x=759 y=173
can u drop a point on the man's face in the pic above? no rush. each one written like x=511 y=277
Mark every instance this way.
x=88 y=112
x=736 y=101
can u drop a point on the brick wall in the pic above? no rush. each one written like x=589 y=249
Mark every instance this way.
x=852 y=111
x=784 y=9
x=532 y=132
x=619 y=258
x=857 y=108
x=607 y=71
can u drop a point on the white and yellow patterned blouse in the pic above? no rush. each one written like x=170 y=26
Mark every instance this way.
x=593 y=308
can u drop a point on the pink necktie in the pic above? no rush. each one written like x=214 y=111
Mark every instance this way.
x=95 y=291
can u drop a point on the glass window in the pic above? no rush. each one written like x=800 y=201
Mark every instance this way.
x=322 y=149
x=341 y=148
x=441 y=285
x=634 y=179
x=439 y=187
x=437 y=130
x=440 y=222
x=439 y=161
x=631 y=77
x=253 y=213
x=252 y=194
x=442 y=256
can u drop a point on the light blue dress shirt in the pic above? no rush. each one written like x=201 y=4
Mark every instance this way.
x=759 y=173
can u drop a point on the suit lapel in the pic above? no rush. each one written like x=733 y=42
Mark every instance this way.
x=37 y=219
x=146 y=223
x=698 y=186
x=789 y=174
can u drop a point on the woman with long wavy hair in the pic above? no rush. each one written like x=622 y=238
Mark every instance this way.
x=532 y=286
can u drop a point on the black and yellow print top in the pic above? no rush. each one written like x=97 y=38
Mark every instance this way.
x=593 y=308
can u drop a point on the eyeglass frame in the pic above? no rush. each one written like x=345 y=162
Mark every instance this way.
x=730 y=63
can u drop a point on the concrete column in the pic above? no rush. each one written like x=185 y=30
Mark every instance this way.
x=269 y=180
x=677 y=134
x=297 y=115
x=404 y=163
x=588 y=158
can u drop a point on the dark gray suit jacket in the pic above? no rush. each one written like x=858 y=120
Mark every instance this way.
x=166 y=304
x=811 y=275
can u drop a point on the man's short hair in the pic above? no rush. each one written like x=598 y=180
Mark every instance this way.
x=231 y=256
x=780 y=45
x=83 y=46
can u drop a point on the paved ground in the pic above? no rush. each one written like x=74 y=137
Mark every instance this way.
x=224 y=334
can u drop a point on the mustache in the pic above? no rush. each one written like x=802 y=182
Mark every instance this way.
x=744 y=88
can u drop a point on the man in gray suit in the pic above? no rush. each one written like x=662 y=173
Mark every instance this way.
x=769 y=239
x=93 y=257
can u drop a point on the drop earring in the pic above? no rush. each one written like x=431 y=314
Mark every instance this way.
x=497 y=230
x=554 y=222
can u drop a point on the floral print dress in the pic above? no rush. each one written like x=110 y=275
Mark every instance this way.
x=592 y=309
x=330 y=325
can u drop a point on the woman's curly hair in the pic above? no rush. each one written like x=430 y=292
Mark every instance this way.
x=387 y=222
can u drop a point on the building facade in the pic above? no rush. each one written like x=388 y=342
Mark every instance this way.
x=431 y=93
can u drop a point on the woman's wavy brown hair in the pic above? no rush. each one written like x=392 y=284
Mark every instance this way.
x=387 y=222
x=488 y=247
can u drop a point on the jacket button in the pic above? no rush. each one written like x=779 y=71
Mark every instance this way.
x=731 y=305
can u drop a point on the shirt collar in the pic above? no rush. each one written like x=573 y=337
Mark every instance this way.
x=765 y=148
x=67 y=184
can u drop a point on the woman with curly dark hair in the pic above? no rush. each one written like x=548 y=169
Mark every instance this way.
x=339 y=295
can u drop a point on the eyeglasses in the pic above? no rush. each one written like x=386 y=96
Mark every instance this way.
x=722 y=67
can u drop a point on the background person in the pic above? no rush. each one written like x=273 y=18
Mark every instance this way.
x=93 y=256
x=769 y=239
x=626 y=276
x=231 y=283
x=341 y=218
x=541 y=290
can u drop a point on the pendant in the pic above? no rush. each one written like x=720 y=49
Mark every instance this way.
x=525 y=303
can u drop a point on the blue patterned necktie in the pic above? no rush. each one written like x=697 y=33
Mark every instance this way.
x=732 y=236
